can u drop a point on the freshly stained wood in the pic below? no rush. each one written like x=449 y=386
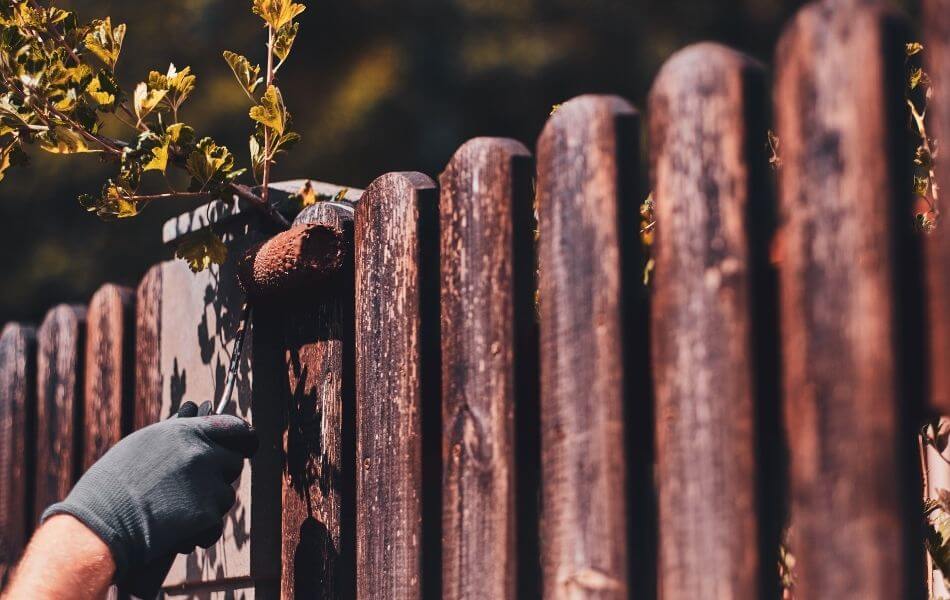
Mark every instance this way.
x=107 y=412
x=318 y=483
x=705 y=105
x=585 y=175
x=17 y=420
x=487 y=270
x=148 y=331
x=397 y=387
x=937 y=54
x=845 y=276
x=60 y=364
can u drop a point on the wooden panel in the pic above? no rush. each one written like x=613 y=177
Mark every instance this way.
x=848 y=385
x=705 y=106
x=60 y=361
x=485 y=203
x=397 y=387
x=937 y=54
x=585 y=165
x=319 y=472
x=199 y=317
x=107 y=411
x=148 y=327
x=17 y=420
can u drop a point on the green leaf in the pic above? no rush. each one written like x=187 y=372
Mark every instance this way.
x=271 y=112
x=115 y=201
x=257 y=157
x=307 y=195
x=277 y=13
x=208 y=164
x=180 y=134
x=178 y=84
x=287 y=141
x=247 y=75
x=159 y=159
x=105 y=41
x=145 y=100
x=103 y=90
x=284 y=40
x=201 y=250
x=11 y=155
x=61 y=140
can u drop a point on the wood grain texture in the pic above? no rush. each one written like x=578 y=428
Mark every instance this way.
x=701 y=108
x=486 y=203
x=17 y=421
x=60 y=367
x=936 y=23
x=583 y=166
x=110 y=333
x=148 y=329
x=318 y=482
x=846 y=225
x=397 y=387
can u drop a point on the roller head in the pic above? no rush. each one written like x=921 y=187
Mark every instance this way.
x=293 y=260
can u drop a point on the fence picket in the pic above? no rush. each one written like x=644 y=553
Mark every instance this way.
x=488 y=365
x=107 y=408
x=148 y=335
x=397 y=388
x=848 y=387
x=17 y=420
x=318 y=513
x=59 y=393
x=705 y=107
x=586 y=166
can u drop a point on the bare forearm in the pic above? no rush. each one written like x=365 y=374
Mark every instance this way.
x=64 y=560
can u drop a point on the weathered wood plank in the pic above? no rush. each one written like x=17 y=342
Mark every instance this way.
x=486 y=204
x=397 y=388
x=319 y=472
x=148 y=330
x=705 y=107
x=17 y=422
x=60 y=368
x=937 y=54
x=847 y=359
x=107 y=408
x=586 y=163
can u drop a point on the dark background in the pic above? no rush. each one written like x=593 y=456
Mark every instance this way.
x=374 y=86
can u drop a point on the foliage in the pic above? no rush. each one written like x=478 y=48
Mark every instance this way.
x=647 y=235
x=58 y=87
x=919 y=93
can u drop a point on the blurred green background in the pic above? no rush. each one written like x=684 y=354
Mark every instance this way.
x=374 y=86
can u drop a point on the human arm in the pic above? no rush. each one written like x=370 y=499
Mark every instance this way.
x=163 y=490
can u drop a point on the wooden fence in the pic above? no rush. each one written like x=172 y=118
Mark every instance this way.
x=488 y=402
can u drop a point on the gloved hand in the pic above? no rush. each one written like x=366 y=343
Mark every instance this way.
x=163 y=489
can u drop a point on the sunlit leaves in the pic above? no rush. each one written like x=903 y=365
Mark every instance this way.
x=912 y=48
x=284 y=40
x=115 y=202
x=145 y=100
x=201 y=250
x=105 y=41
x=271 y=112
x=277 y=13
x=257 y=157
x=10 y=154
x=937 y=514
x=62 y=140
x=210 y=165
x=247 y=75
x=103 y=90
x=178 y=85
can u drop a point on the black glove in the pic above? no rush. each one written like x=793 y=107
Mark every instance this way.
x=163 y=489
